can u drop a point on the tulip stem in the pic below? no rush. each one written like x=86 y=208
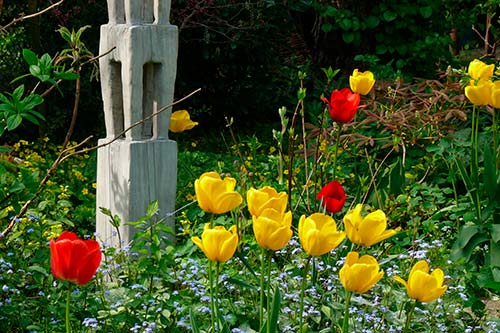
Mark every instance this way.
x=212 y=304
x=262 y=267
x=337 y=143
x=217 y=305
x=268 y=303
x=302 y=292
x=408 y=317
x=345 y=324
x=68 y=326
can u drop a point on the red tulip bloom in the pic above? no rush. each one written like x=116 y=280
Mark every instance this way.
x=343 y=105
x=73 y=259
x=332 y=196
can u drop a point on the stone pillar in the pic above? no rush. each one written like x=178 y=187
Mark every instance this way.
x=137 y=79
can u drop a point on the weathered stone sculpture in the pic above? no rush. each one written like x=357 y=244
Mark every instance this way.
x=137 y=79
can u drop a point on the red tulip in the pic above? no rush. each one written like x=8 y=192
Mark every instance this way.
x=73 y=259
x=343 y=105
x=332 y=196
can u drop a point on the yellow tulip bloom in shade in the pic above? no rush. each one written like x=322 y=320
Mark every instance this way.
x=361 y=82
x=215 y=195
x=272 y=229
x=479 y=70
x=318 y=234
x=266 y=197
x=421 y=285
x=479 y=93
x=180 y=121
x=368 y=230
x=360 y=274
x=217 y=243
x=495 y=95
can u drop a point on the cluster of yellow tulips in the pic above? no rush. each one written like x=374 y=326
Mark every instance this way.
x=481 y=90
x=318 y=235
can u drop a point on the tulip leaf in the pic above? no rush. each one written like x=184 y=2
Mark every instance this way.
x=222 y=321
x=192 y=321
x=468 y=238
x=494 y=253
x=495 y=232
x=275 y=311
x=490 y=173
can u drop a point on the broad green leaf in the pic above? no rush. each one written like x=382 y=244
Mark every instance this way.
x=31 y=101
x=66 y=75
x=30 y=118
x=30 y=57
x=35 y=70
x=14 y=121
x=468 y=238
x=18 y=93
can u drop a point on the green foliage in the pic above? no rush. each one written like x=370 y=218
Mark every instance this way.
x=14 y=108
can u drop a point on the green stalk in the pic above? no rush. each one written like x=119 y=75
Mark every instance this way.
x=212 y=304
x=474 y=162
x=262 y=267
x=408 y=317
x=345 y=324
x=268 y=287
x=217 y=305
x=337 y=142
x=68 y=326
x=495 y=138
x=302 y=292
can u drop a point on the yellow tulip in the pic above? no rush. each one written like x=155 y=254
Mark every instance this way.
x=495 y=95
x=367 y=230
x=272 y=229
x=480 y=92
x=180 y=121
x=421 y=285
x=215 y=195
x=361 y=82
x=479 y=70
x=217 y=243
x=360 y=274
x=266 y=197
x=318 y=234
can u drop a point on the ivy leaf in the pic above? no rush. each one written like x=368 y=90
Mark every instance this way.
x=390 y=16
x=426 y=12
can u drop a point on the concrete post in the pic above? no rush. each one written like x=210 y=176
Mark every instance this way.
x=137 y=79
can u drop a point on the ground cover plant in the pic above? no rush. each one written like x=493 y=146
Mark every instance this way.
x=374 y=208
x=374 y=172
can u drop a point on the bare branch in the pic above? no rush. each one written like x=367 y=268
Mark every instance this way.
x=27 y=17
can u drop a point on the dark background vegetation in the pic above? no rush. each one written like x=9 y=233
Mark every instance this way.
x=245 y=55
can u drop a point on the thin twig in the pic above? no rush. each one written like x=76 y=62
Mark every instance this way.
x=64 y=155
x=27 y=17
x=131 y=126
